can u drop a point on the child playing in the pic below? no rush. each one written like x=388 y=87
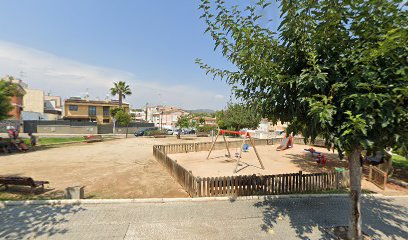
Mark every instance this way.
x=33 y=140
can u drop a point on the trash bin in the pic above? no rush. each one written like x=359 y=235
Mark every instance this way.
x=339 y=169
x=76 y=192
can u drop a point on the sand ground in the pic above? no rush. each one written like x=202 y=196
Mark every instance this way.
x=123 y=168
x=276 y=162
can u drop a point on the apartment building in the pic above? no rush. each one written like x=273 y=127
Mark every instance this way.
x=78 y=109
x=38 y=106
x=164 y=116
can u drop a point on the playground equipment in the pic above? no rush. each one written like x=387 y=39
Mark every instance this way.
x=319 y=157
x=286 y=143
x=244 y=146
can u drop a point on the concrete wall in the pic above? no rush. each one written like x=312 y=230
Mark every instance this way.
x=31 y=115
x=67 y=129
x=50 y=116
x=34 y=101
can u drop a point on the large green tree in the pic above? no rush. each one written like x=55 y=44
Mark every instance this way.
x=7 y=90
x=122 y=90
x=236 y=117
x=336 y=69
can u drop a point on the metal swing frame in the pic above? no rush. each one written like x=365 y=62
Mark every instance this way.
x=246 y=136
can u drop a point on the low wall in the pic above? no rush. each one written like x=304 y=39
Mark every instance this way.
x=245 y=185
x=67 y=129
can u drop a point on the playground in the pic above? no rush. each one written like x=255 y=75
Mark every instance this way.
x=291 y=160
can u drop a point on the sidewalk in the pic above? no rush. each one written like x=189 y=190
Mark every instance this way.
x=274 y=218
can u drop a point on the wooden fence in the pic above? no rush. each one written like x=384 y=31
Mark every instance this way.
x=243 y=185
x=185 y=178
x=267 y=184
x=375 y=175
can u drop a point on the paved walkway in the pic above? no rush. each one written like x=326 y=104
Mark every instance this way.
x=286 y=218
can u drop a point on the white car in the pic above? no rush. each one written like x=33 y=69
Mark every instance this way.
x=170 y=132
x=176 y=132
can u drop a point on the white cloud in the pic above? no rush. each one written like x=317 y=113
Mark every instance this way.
x=66 y=77
x=219 y=96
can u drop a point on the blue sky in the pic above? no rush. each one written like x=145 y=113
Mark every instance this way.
x=67 y=47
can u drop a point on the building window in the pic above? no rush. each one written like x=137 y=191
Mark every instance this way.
x=92 y=111
x=106 y=112
x=73 y=107
x=106 y=121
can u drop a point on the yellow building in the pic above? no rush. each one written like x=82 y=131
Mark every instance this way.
x=90 y=110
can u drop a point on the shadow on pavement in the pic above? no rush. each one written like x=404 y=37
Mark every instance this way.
x=35 y=221
x=382 y=218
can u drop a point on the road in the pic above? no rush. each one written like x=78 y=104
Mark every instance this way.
x=284 y=218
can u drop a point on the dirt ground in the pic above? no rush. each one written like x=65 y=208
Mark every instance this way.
x=123 y=168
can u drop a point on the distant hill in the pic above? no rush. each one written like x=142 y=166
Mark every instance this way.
x=201 y=111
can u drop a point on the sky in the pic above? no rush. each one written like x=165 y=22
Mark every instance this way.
x=70 y=48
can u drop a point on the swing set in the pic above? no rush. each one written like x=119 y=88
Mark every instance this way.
x=246 y=136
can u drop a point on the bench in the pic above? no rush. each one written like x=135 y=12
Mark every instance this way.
x=93 y=138
x=202 y=134
x=22 y=181
x=5 y=145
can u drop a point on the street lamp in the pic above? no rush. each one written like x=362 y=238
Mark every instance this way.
x=161 y=120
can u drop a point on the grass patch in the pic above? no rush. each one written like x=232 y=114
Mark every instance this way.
x=44 y=141
x=399 y=161
x=48 y=141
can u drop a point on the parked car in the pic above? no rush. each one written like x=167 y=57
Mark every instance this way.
x=189 y=131
x=142 y=132
x=169 y=131
x=176 y=132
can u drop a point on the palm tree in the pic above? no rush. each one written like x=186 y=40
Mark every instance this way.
x=122 y=90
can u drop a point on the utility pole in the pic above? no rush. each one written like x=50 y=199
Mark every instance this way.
x=146 y=112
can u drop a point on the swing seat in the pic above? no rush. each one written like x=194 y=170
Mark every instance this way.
x=245 y=148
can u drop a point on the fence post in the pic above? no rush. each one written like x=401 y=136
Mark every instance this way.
x=198 y=190
x=300 y=181
x=370 y=173
x=337 y=180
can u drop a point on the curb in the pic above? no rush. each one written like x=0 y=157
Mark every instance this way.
x=172 y=200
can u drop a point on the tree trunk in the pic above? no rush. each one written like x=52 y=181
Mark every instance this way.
x=120 y=100
x=178 y=134
x=355 y=195
x=127 y=128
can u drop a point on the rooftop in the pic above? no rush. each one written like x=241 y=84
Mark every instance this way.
x=77 y=100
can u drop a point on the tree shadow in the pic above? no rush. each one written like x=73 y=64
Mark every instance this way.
x=25 y=193
x=307 y=164
x=382 y=218
x=35 y=221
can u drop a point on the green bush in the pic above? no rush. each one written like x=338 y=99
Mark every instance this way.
x=206 y=128
x=154 y=132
